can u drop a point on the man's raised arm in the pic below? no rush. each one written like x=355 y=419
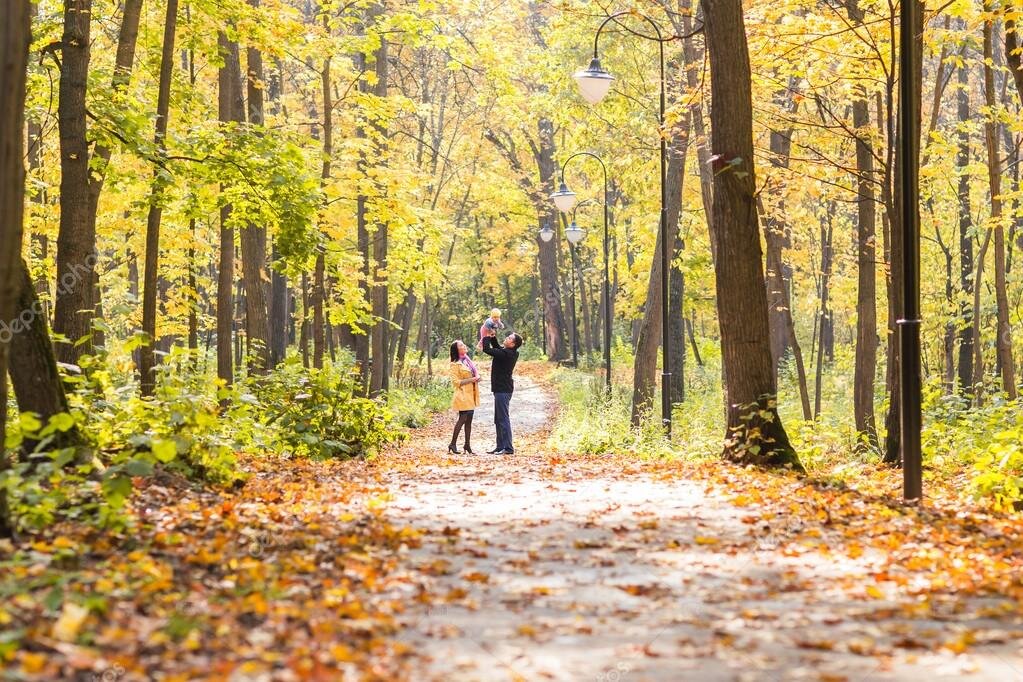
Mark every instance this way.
x=490 y=345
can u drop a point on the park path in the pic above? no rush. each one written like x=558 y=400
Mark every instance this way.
x=548 y=567
x=417 y=565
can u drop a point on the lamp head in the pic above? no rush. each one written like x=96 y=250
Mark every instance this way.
x=574 y=233
x=594 y=82
x=564 y=198
x=546 y=233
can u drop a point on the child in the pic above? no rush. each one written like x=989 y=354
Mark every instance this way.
x=490 y=327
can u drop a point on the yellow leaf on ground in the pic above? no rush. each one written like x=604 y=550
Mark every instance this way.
x=69 y=622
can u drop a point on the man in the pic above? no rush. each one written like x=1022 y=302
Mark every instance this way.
x=502 y=385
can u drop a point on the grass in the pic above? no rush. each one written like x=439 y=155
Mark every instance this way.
x=971 y=455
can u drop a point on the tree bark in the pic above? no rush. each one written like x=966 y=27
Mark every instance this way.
x=1003 y=340
x=644 y=380
x=542 y=148
x=147 y=357
x=754 y=430
x=966 y=265
x=15 y=36
x=866 y=269
x=231 y=109
x=76 y=238
x=380 y=366
x=253 y=239
x=826 y=232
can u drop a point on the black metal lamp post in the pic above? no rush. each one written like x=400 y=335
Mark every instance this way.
x=594 y=84
x=909 y=326
x=564 y=199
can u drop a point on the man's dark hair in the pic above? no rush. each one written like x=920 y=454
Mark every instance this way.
x=455 y=356
x=517 y=340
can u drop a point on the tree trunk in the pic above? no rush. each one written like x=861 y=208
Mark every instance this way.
x=253 y=239
x=318 y=293
x=380 y=368
x=303 y=335
x=231 y=108
x=754 y=431
x=966 y=276
x=147 y=357
x=1003 y=339
x=76 y=238
x=826 y=232
x=644 y=378
x=866 y=270
x=677 y=323
x=279 y=319
x=15 y=36
x=584 y=303
x=542 y=148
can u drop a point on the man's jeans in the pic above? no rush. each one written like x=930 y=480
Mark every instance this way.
x=503 y=421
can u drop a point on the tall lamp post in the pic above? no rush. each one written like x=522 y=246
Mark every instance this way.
x=909 y=325
x=594 y=84
x=564 y=200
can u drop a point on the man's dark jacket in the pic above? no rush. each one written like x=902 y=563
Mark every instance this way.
x=502 y=367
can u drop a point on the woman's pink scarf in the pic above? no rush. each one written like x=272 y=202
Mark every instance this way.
x=467 y=361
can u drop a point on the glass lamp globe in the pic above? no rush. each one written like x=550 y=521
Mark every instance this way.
x=574 y=233
x=546 y=233
x=564 y=198
x=594 y=82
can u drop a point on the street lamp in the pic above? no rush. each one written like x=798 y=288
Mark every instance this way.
x=594 y=83
x=574 y=233
x=564 y=199
x=546 y=233
x=909 y=325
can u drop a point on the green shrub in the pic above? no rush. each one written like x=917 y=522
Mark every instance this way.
x=318 y=413
x=415 y=397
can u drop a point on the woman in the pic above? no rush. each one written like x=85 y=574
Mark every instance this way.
x=465 y=378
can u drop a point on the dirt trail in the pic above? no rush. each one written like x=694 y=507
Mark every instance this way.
x=543 y=568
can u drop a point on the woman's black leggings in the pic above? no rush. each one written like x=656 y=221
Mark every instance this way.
x=464 y=419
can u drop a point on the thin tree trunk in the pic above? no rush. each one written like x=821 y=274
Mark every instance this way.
x=645 y=364
x=318 y=294
x=193 y=293
x=967 y=322
x=826 y=232
x=76 y=238
x=253 y=238
x=692 y=342
x=866 y=267
x=1003 y=338
x=754 y=431
x=303 y=335
x=677 y=323
x=231 y=108
x=147 y=356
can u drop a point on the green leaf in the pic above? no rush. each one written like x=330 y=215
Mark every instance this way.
x=165 y=450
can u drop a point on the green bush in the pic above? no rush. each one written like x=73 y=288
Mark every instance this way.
x=415 y=397
x=318 y=413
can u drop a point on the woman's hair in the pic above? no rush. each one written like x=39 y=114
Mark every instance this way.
x=455 y=355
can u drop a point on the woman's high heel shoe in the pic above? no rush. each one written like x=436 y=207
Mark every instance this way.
x=453 y=449
x=467 y=450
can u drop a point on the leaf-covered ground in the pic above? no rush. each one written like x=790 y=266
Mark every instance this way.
x=419 y=565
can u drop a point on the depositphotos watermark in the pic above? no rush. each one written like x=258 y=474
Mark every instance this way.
x=68 y=281
x=111 y=674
